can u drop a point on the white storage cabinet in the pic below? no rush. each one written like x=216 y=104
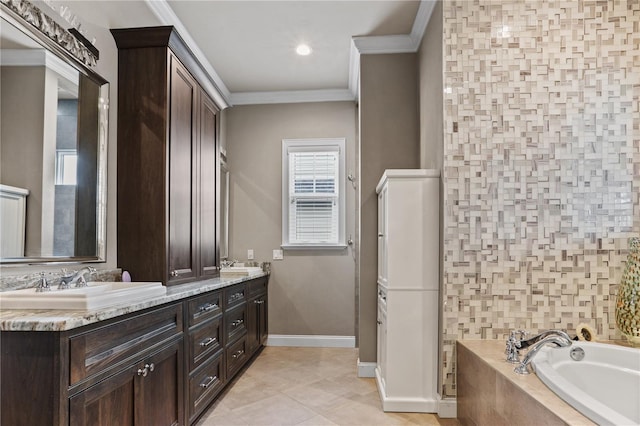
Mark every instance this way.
x=408 y=283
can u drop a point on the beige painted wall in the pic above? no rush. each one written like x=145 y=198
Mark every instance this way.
x=23 y=139
x=389 y=139
x=310 y=292
x=430 y=83
x=431 y=119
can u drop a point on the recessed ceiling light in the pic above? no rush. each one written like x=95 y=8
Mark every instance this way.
x=303 y=50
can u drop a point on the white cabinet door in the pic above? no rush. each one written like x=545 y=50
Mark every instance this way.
x=383 y=204
x=382 y=337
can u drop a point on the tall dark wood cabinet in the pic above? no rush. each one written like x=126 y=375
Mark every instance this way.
x=168 y=160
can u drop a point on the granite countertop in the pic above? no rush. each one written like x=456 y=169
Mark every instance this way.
x=62 y=320
x=492 y=352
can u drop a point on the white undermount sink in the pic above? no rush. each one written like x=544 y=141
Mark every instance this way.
x=239 y=271
x=96 y=295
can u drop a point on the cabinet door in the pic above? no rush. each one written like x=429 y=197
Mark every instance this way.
x=382 y=236
x=256 y=322
x=181 y=242
x=382 y=338
x=147 y=393
x=110 y=402
x=159 y=394
x=208 y=183
x=263 y=328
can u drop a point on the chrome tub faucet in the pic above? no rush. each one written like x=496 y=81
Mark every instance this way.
x=558 y=340
x=515 y=343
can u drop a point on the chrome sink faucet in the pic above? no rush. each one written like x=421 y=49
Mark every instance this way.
x=558 y=340
x=228 y=263
x=76 y=277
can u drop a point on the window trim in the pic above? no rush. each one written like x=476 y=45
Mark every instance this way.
x=61 y=155
x=309 y=144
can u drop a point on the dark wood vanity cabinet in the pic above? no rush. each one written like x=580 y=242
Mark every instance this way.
x=161 y=366
x=168 y=160
x=125 y=371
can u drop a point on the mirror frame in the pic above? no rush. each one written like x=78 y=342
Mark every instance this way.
x=41 y=28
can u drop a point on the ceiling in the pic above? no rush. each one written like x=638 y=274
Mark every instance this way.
x=248 y=47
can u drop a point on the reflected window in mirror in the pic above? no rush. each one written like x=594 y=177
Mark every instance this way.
x=66 y=166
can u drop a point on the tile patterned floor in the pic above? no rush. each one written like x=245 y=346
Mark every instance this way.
x=307 y=386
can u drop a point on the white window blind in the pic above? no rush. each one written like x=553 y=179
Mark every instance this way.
x=314 y=201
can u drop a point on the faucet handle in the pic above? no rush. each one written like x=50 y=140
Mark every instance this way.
x=513 y=345
x=43 y=284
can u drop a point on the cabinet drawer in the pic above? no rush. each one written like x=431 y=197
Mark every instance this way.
x=105 y=348
x=235 y=295
x=205 y=384
x=204 y=307
x=235 y=323
x=236 y=355
x=204 y=341
x=257 y=286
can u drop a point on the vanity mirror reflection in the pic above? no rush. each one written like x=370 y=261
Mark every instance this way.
x=53 y=147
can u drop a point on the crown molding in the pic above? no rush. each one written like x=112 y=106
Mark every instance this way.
x=401 y=43
x=291 y=96
x=378 y=45
x=215 y=86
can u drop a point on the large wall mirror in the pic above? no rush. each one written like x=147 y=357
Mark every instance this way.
x=53 y=149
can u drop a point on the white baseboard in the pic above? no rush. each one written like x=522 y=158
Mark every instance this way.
x=311 y=341
x=447 y=408
x=404 y=404
x=366 y=369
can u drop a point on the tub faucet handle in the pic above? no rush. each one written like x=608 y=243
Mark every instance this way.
x=513 y=345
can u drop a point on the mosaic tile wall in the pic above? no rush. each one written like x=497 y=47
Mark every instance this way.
x=541 y=167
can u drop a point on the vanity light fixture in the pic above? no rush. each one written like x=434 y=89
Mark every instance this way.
x=303 y=50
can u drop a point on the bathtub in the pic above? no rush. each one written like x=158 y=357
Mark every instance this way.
x=604 y=385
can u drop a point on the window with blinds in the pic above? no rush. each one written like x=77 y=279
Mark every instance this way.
x=313 y=199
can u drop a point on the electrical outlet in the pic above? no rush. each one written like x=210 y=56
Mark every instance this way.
x=250 y=254
x=277 y=255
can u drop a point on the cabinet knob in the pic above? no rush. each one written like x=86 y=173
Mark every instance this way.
x=146 y=369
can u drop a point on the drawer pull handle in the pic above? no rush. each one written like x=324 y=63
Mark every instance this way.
x=237 y=322
x=237 y=354
x=207 y=307
x=208 y=381
x=174 y=273
x=236 y=296
x=209 y=340
x=258 y=302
